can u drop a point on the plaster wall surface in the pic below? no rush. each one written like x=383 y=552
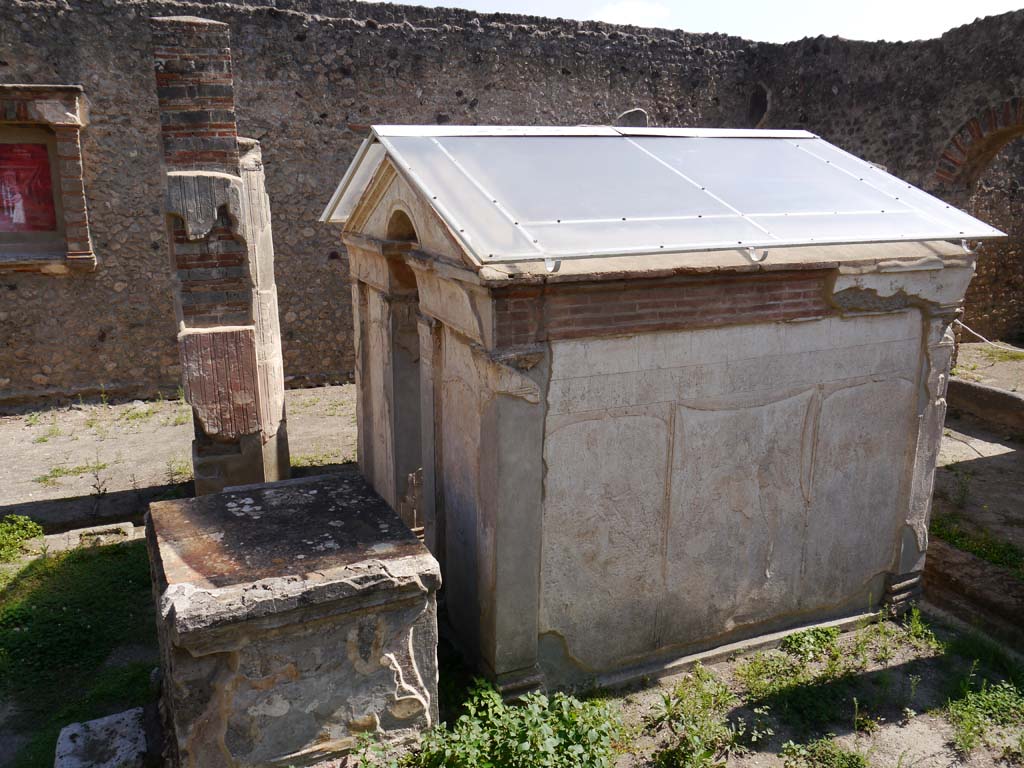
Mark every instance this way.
x=312 y=74
x=467 y=529
x=708 y=485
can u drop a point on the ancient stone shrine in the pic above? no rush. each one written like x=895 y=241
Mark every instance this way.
x=668 y=389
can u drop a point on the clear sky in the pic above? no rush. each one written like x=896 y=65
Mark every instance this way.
x=768 y=20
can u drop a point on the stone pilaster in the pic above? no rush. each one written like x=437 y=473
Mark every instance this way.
x=222 y=255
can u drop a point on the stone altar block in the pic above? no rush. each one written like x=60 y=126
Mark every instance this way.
x=291 y=617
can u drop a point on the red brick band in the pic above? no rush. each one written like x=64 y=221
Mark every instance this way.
x=195 y=94
x=529 y=315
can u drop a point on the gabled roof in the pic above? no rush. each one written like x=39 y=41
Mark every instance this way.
x=513 y=194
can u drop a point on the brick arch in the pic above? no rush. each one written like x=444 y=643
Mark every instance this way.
x=978 y=141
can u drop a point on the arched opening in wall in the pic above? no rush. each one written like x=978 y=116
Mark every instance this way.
x=407 y=442
x=757 y=107
x=400 y=227
x=981 y=170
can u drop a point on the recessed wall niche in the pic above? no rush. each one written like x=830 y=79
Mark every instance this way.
x=44 y=220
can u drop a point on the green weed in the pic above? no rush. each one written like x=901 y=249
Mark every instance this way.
x=51 y=432
x=983 y=544
x=979 y=710
x=1000 y=355
x=182 y=416
x=318 y=458
x=139 y=414
x=15 y=530
x=556 y=732
x=695 y=715
x=811 y=681
x=178 y=470
x=52 y=477
x=812 y=644
x=821 y=753
x=919 y=633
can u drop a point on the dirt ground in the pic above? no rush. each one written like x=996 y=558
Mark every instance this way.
x=896 y=692
x=980 y=479
x=104 y=460
x=986 y=364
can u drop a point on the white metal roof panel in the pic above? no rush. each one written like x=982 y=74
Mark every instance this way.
x=525 y=193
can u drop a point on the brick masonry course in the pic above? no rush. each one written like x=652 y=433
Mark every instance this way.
x=311 y=76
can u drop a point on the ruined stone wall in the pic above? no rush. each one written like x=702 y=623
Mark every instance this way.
x=311 y=74
x=995 y=299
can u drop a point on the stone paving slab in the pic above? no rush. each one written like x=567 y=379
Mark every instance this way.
x=116 y=741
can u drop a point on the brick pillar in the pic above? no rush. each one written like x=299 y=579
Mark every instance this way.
x=222 y=257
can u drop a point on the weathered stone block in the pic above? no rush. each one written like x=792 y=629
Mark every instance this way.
x=292 y=616
x=115 y=741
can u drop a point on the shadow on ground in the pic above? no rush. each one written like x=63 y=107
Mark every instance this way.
x=58 y=515
x=77 y=641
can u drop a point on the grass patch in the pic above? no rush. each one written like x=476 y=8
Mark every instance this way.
x=135 y=415
x=820 y=753
x=1000 y=355
x=320 y=457
x=987 y=704
x=559 y=731
x=983 y=708
x=52 y=477
x=15 y=530
x=181 y=416
x=813 y=680
x=984 y=545
x=60 y=618
x=51 y=432
x=989 y=655
x=695 y=716
x=178 y=470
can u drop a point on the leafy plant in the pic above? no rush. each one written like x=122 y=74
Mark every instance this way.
x=919 y=633
x=982 y=708
x=15 y=530
x=695 y=714
x=812 y=644
x=558 y=731
x=804 y=697
x=821 y=753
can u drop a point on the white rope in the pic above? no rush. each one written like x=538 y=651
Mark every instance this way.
x=993 y=343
